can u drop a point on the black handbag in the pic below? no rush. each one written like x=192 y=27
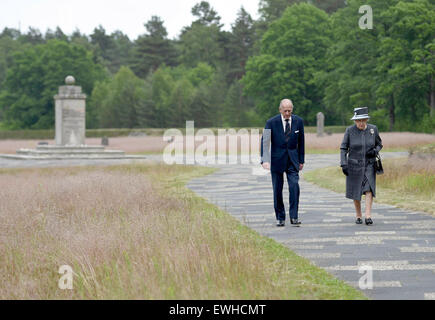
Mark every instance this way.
x=378 y=165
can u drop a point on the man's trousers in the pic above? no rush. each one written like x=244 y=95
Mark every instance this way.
x=294 y=191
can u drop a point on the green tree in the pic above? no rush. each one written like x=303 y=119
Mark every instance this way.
x=330 y=6
x=121 y=52
x=11 y=33
x=102 y=44
x=81 y=39
x=162 y=86
x=112 y=50
x=238 y=110
x=57 y=34
x=101 y=41
x=203 y=40
x=201 y=74
x=201 y=44
x=389 y=68
x=96 y=107
x=292 y=51
x=8 y=46
x=271 y=10
x=117 y=103
x=180 y=103
x=348 y=78
x=241 y=44
x=153 y=49
x=34 y=78
x=33 y=37
x=208 y=106
x=180 y=94
x=406 y=62
x=205 y=14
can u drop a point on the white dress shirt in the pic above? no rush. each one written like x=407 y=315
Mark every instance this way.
x=285 y=123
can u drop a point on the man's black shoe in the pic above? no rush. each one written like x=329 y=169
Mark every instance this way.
x=295 y=222
x=358 y=221
x=280 y=223
x=369 y=221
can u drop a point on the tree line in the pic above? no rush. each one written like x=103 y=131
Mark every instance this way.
x=310 y=51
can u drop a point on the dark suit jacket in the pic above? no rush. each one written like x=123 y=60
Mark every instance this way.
x=280 y=150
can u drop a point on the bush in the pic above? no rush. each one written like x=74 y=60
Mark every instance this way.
x=26 y=134
x=328 y=129
x=428 y=124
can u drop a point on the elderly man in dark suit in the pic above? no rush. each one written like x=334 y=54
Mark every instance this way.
x=285 y=134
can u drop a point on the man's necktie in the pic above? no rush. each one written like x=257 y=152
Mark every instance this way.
x=287 y=130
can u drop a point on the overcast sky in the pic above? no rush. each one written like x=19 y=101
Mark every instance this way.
x=128 y=16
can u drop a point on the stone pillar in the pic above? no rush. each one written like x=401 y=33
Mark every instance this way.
x=70 y=113
x=320 y=124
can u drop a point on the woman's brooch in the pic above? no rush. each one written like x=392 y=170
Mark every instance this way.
x=372 y=131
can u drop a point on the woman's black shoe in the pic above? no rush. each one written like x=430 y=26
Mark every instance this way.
x=358 y=221
x=368 y=221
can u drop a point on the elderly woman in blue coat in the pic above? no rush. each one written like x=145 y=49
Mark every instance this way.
x=359 y=148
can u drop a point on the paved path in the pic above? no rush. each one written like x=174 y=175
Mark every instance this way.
x=400 y=246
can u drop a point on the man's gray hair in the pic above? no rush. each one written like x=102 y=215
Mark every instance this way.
x=285 y=102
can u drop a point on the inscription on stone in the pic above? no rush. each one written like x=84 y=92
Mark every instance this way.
x=73 y=125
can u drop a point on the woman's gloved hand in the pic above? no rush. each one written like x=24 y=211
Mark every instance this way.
x=345 y=170
x=371 y=153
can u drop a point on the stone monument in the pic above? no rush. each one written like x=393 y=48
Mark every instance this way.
x=70 y=124
x=320 y=124
x=70 y=104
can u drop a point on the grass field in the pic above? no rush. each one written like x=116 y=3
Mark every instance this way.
x=407 y=182
x=124 y=132
x=136 y=232
x=392 y=141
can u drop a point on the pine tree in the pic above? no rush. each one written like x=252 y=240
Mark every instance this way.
x=241 y=43
x=153 y=49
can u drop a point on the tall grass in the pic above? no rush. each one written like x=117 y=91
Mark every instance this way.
x=408 y=182
x=412 y=176
x=135 y=232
